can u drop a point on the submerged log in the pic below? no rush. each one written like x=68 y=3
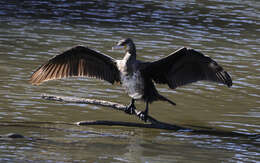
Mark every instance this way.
x=153 y=123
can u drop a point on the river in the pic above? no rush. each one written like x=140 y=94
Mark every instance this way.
x=31 y=32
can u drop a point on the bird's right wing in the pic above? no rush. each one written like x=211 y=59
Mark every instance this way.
x=78 y=61
x=185 y=66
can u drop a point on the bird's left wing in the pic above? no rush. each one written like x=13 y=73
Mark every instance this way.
x=185 y=66
x=78 y=61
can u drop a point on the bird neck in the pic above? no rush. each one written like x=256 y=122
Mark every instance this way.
x=129 y=57
x=130 y=54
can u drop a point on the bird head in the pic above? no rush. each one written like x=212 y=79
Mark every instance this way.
x=126 y=44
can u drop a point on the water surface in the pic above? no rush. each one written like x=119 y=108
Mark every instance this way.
x=31 y=32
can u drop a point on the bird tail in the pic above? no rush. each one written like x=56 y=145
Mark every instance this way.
x=166 y=99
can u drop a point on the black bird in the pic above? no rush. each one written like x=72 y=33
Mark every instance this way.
x=181 y=67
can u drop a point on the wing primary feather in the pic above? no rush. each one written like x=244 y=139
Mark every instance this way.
x=50 y=72
x=42 y=75
x=220 y=77
x=64 y=70
x=229 y=80
x=186 y=66
x=58 y=74
x=55 y=72
x=78 y=61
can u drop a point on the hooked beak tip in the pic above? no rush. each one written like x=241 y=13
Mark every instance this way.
x=117 y=47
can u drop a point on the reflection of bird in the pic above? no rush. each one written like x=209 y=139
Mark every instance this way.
x=137 y=77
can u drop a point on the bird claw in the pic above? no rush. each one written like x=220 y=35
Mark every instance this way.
x=130 y=109
x=142 y=115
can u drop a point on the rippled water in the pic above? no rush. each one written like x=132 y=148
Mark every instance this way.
x=33 y=31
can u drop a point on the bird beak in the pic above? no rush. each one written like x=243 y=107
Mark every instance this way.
x=117 y=47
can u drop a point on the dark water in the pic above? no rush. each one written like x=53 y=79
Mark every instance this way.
x=33 y=31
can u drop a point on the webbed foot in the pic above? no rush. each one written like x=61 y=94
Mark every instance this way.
x=130 y=109
x=143 y=115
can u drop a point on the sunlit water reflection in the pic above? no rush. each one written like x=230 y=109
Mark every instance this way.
x=33 y=31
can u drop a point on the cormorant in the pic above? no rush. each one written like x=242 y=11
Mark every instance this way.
x=181 y=67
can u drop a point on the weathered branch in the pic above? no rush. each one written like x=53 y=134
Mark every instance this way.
x=153 y=122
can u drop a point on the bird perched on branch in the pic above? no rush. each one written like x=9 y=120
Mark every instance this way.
x=181 y=67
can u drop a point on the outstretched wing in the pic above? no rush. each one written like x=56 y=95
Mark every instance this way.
x=185 y=66
x=78 y=61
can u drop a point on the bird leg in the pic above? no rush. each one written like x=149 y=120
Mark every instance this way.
x=130 y=109
x=143 y=115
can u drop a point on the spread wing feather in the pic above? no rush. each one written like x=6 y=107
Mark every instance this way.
x=78 y=61
x=185 y=66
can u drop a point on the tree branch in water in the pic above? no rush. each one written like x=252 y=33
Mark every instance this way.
x=153 y=123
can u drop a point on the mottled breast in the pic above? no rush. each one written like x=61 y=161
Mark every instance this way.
x=133 y=82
